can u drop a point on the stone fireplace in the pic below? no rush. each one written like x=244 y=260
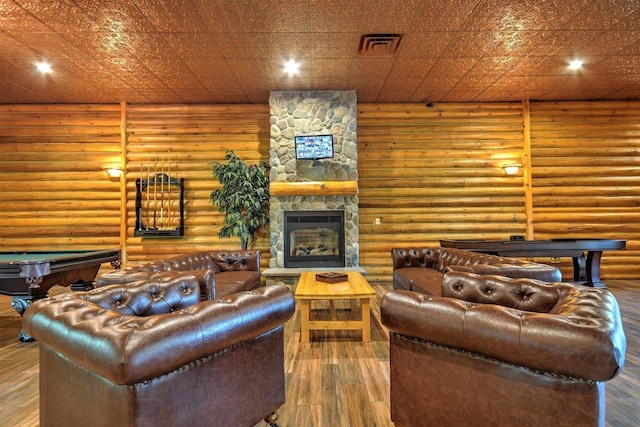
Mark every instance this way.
x=313 y=186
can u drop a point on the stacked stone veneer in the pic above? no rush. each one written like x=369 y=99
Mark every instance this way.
x=313 y=113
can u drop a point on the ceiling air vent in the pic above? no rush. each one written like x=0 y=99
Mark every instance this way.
x=379 y=45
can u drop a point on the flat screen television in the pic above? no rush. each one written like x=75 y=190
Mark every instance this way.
x=314 y=147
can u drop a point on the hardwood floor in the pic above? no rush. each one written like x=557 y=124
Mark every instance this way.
x=334 y=381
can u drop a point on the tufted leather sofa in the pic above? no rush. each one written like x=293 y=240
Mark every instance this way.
x=502 y=351
x=152 y=353
x=220 y=273
x=422 y=269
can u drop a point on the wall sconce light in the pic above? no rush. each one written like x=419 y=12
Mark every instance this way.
x=511 y=169
x=114 y=172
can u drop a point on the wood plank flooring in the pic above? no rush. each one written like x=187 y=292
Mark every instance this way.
x=334 y=381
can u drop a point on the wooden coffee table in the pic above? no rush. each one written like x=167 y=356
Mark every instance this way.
x=355 y=288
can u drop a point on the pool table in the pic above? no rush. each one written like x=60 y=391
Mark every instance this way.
x=28 y=276
x=586 y=253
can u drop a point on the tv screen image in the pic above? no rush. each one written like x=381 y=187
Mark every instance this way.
x=314 y=147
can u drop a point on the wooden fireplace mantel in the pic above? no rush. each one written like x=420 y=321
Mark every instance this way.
x=314 y=188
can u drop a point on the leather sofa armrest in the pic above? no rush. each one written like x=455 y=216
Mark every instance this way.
x=130 y=349
x=238 y=260
x=587 y=344
x=412 y=257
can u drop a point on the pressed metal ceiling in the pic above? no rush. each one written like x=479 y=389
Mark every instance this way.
x=198 y=51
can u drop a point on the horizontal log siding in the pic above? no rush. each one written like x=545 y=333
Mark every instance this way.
x=426 y=173
x=54 y=191
x=436 y=173
x=586 y=177
x=197 y=135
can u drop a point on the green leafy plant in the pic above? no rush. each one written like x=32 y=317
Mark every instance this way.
x=243 y=198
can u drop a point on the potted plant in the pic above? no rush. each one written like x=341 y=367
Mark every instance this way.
x=243 y=197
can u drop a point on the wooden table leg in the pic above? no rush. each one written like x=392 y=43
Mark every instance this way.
x=305 y=310
x=366 y=319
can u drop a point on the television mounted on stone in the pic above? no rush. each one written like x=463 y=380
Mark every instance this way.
x=314 y=147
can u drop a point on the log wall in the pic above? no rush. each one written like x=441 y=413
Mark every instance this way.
x=54 y=191
x=425 y=173
x=196 y=137
x=586 y=176
x=434 y=173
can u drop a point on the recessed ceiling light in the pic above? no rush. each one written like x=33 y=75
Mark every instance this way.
x=291 y=67
x=43 y=67
x=576 y=64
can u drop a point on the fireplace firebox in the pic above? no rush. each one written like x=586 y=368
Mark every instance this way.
x=314 y=238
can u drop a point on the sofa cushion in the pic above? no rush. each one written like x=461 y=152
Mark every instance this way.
x=229 y=282
x=418 y=279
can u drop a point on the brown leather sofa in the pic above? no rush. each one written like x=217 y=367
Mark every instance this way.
x=503 y=352
x=422 y=269
x=151 y=353
x=220 y=273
